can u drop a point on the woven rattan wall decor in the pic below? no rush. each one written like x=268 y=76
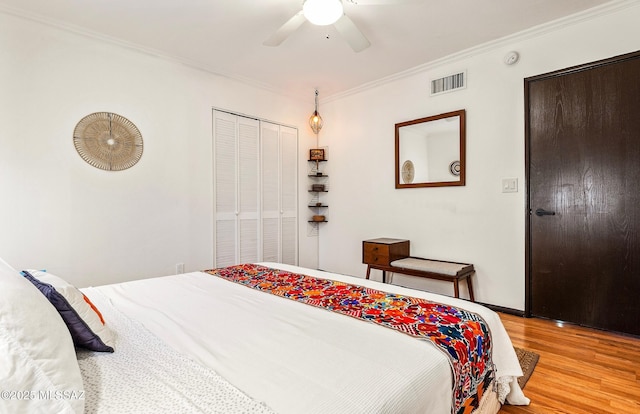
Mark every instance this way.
x=108 y=141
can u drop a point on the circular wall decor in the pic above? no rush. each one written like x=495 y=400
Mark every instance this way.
x=108 y=141
x=408 y=172
x=454 y=168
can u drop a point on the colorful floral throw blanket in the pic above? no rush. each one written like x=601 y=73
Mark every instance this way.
x=462 y=336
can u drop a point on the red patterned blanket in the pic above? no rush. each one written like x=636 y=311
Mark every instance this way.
x=462 y=336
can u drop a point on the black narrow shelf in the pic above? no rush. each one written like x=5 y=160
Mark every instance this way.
x=316 y=179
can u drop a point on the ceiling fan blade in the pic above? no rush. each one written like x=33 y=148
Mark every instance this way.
x=285 y=30
x=380 y=2
x=350 y=32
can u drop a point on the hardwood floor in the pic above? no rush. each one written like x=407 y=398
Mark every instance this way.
x=580 y=370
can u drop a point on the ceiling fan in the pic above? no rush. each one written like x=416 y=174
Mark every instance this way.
x=324 y=13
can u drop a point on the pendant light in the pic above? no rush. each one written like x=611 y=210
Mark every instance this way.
x=315 y=121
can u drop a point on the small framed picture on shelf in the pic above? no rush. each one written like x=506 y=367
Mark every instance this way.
x=316 y=154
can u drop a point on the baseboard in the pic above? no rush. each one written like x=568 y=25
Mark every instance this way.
x=503 y=309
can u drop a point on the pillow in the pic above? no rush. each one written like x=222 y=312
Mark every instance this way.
x=39 y=371
x=82 y=318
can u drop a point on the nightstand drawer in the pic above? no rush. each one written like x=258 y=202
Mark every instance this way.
x=376 y=254
x=384 y=251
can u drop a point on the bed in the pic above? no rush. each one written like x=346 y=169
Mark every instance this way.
x=198 y=342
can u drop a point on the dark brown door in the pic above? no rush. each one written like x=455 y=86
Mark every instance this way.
x=583 y=174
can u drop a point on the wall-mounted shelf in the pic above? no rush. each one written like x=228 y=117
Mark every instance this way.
x=318 y=185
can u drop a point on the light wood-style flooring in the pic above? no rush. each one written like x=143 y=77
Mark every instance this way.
x=580 y=370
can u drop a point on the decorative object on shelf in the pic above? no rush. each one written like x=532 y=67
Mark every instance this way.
x=108 y=141
x=317 y=187
x=315 y=121
x=408 y=172
x=316 y=154
x=454 y=168
x=318 y=217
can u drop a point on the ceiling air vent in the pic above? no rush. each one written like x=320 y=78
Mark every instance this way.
x=449 y=83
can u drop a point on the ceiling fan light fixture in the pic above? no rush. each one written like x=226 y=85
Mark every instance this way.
x=322 y=12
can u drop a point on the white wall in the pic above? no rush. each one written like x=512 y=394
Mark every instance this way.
x=476 y=223
x=95 y=227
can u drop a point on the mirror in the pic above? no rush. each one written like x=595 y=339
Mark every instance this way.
x=430 y=152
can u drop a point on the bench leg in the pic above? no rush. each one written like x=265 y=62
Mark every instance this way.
x=456 y=288
x=470 y=288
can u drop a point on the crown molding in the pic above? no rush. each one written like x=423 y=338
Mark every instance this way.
x=608 y=8
x=34 y=17
x=536 y=31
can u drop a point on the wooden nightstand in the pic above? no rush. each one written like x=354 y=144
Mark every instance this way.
x=383 y=251
x=392 y=255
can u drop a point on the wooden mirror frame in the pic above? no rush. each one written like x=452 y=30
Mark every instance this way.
x=462 y=156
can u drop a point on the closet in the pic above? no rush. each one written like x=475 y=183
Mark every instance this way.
x=255 y=190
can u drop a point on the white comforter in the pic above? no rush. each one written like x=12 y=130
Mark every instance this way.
x=300 y=359
x=147 y=376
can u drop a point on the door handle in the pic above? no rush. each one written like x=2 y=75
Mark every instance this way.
x=542 y=212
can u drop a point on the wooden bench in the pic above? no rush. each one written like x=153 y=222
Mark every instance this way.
x=431 y=269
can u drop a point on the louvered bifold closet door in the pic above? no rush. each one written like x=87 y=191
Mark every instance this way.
x=249 y=191
x=279 y=193
x=225 y=185
x=289 y=194
x=236 y=189
x=270 y=192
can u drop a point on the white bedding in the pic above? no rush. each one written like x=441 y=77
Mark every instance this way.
x=146 y=375
x=297 y=358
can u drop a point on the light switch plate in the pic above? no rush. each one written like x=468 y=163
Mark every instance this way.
x=509 y=185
